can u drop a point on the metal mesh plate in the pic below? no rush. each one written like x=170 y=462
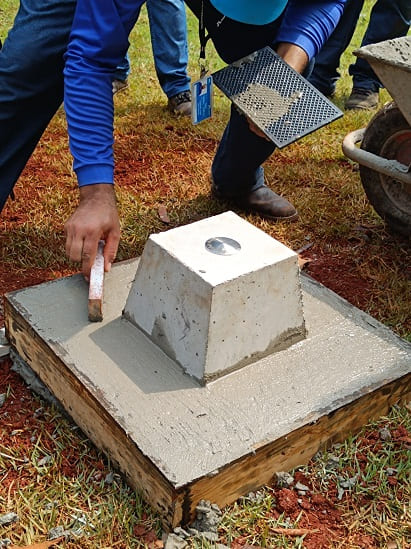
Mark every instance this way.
x=276 y=98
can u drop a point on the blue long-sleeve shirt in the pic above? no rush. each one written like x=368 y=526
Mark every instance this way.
x=98 y=43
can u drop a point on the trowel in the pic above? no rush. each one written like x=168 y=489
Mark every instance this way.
x=96 y=286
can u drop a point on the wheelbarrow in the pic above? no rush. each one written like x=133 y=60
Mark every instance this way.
x=384 y=155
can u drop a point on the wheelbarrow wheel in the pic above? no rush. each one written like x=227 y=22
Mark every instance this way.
x=388 y=135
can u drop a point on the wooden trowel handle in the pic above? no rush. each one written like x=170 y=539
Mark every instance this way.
x=96 y=287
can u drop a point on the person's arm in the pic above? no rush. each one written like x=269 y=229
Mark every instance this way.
x=304 y=29
x=293 y=55
x=307 y=25
x=98 y=42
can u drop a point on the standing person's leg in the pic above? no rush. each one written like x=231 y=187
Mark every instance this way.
x=31 y=82
x=120 y=76
x=388 y=19
x=168 y=28
x=237 y=172
x=325 y=73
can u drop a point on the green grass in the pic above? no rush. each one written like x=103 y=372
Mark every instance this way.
x=163 y=160
x=72 y=489
x=8 y=10
x=173 y=170
x=376 y=498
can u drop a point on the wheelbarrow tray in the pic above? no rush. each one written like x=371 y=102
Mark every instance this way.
x=384 y=156
x=391 y=62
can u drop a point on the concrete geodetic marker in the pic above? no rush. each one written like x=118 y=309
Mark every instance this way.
x=217 y=295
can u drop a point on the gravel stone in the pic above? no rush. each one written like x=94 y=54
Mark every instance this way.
x=174 y=542
x=2 y=399
x=284 y=479
x=255 y=497
x=44 y=461
x=208 y=517
x=109 y=478
x=332 y=462
x=51 y=505
x=209 y=536
x=300 y=487
x=58 y=532
x=349 y=483
x=385 y=434
x=38 y=412
x=181 y=532
x=8 y=518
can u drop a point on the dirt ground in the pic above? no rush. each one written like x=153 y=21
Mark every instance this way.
x=332 y=263
x=322 y=512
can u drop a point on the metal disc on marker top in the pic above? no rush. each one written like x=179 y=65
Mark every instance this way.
x=222 y=245
x=280 y=102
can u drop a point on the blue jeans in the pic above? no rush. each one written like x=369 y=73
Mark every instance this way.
x=31 y=82
x=123 y=70
x=388 y=19
x=168 y=29
x=237 y=166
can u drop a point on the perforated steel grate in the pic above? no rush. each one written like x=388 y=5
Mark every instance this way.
x=276 y=98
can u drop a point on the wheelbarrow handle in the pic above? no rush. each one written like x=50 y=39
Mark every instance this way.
x=391 y=168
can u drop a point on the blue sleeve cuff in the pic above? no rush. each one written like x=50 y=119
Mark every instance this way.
x=310 y=28
x=302 y=41
x=91 y=175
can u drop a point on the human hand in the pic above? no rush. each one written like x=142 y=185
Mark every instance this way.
x=96 y=218
x=255 y=129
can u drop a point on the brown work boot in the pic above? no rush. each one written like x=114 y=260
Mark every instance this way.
x=180 y=103
x=362 y=98
x=263 y=201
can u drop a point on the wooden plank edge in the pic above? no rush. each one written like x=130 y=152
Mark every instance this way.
x=93 y=418
x=295 y=449
x=240 y=477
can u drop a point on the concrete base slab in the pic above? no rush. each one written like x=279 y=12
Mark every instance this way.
x=179 y=442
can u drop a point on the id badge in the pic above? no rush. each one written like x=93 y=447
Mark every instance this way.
x=202 y=99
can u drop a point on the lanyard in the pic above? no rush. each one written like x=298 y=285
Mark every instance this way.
x=203 y=42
